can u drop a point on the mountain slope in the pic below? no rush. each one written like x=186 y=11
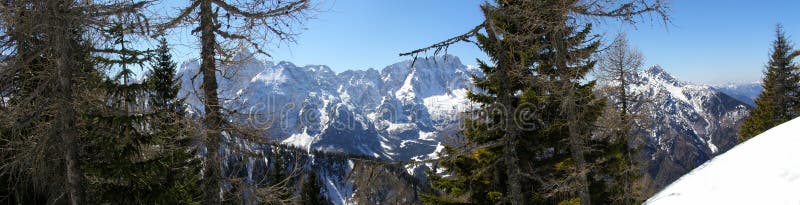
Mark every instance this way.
x=686 y=124
x=763 y=170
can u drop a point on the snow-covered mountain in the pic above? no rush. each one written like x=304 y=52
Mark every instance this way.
x=745 y=92
x=403 y=113
x=763 y=170
x=687 y=124
x=397 y=113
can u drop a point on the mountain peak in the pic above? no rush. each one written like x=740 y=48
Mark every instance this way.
x=656 y=69
x=286 y=64
x=657 y=72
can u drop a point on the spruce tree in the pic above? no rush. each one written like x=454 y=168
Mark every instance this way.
x=138 y=149
x=180 y=164
x=545 y=65
x=530 y=141
x=489 y=172
x=779 y=101
x=310 y=192
x=117 y=138
x=278 y=177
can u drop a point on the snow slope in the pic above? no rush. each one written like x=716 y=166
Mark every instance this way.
x=763 y=170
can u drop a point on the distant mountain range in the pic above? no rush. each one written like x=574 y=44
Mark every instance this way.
x=397 y=113
x=745 y=92
x=404 y=113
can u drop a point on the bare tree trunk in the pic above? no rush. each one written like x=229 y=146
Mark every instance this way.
x=211 y=169
x=65 y=123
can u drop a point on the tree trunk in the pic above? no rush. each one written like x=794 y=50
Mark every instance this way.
x=65 y=124
x=511 y=142
x=580 y=164
x=576 y=147
x=211 y=170
x=510 y=157
x=623 y=85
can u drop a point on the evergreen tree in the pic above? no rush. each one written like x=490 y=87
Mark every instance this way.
x=180 y=165
x=117 y=139
x=163 y=84
x=527 y=61
x=278 y=177
x=310 y=192
x=530 y=142
x=139 y=153
x=779 y=101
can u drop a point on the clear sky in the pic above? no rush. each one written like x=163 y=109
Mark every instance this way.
x=708 y=41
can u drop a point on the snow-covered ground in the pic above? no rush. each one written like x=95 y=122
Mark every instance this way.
x=763 y=170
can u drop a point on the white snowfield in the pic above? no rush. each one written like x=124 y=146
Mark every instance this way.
x=763 y=170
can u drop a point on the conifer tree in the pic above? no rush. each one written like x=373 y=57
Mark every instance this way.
x=529 y=141
x=139 y=153
x=544 y=74
x=279 y=177
x=310 y=192
x=162 y=82
x=779 y=101
x=180 y=165
x=119 y=119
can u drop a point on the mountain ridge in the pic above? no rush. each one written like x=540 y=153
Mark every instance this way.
x=405 y=113
x=394 y=113
x=688 y=124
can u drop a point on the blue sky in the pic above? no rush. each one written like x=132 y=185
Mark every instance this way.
x=708 y=41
